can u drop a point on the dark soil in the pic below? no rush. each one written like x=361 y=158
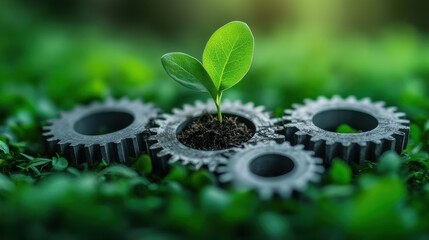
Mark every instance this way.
x=207 y=133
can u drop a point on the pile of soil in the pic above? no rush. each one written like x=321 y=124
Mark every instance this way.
x=207 y=133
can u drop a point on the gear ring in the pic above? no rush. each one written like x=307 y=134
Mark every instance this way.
x=76 y=134
x=166 y=148
x=272 y=168
x=313 y=125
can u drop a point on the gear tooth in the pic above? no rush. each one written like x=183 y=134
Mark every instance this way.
x=322 y=99
x=185 y=161
x=250 y=105
x=122 y=151
x=378 y=149
x=187 y=107
x=177 y=111
x=315 y=177
x=392 y=109
x=317 y=146
x=222 y=169
x=399 y=114
x=155 y=146
x=173 y=159
x=351 y=99
x=226 y=177
x=318 y=161
x=52 y=139
x=109 y=100
x=47 y=134
x=366 y=100
x=331 y=152
x=288 y=118
x=199 y=104
x=153 y=138
x=285 y=191
x=400 y=141
x=134 y=146
x=348 y=152
x=153 y=130
x=47 y=128
x=336 y=98
x=297 y=106
x=265 y=193
x=198 y=165
x=159 y=122
x=162 y=153
x=380 y=104
x=288 y=111
x=90 y=155
x=389 y=143
x=308 y=101
x=105 y=153
x=404 y=121
x=260 y=109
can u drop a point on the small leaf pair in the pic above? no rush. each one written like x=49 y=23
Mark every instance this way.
x=226 y=59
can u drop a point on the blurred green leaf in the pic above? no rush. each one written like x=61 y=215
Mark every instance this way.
x=389 y=162
x=4 y=147
x=59 y=164
x=344 y=128
x=340 y=172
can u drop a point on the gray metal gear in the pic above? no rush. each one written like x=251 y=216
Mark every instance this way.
x=166 y=148
x=272 y=168
x=112 y=131
x=314 y=125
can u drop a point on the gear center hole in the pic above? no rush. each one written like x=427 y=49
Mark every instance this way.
x=271 y=165
x=103 y=123
x=330 y=120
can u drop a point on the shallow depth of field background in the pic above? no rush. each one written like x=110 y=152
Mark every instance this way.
x=56 y=54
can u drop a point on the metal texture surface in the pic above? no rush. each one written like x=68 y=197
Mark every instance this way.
x=111 y=131
x=271 y=168
x=165 y=148
x=314 y=123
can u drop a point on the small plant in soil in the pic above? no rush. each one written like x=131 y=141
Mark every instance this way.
x=207 y=133
x=226 y=59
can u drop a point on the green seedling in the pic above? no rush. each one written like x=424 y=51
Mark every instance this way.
x=226 y=59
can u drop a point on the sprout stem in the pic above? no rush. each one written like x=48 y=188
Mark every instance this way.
x=217 y=103
x=219 y=113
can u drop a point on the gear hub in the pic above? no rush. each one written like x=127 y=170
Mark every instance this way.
x=314 y=125
x=166 y=148
x=111 y=131
x=272 y=168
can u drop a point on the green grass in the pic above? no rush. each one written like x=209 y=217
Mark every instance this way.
x=43 y=198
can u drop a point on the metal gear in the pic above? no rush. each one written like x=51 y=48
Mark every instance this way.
x=314 y=124
x=272 y=168
x=166 y=148
x=112 y=131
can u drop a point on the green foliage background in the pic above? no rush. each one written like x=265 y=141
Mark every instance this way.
x=46 y=68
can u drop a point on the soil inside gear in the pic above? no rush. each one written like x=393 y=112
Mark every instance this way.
x=207 y=133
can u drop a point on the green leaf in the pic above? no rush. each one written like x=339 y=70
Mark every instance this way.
x=59 y=163
x=189 y=72
x=3 y=147
x=344 y=128
x=340 y=172
x=389 y=162
x=118 y=171
x=228 y=54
